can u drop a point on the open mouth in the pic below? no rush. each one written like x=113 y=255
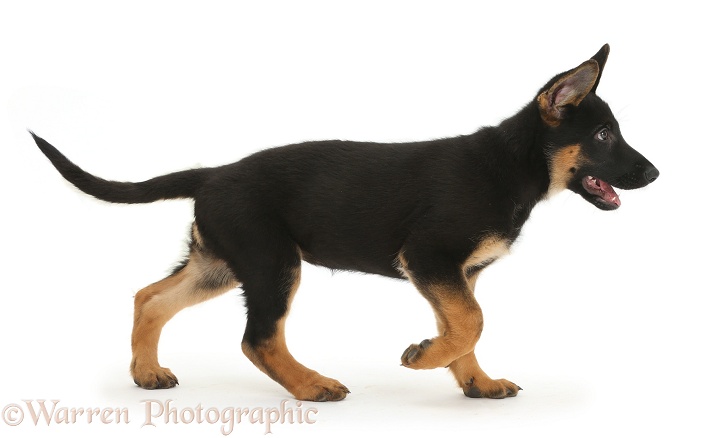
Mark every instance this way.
x=602 y=190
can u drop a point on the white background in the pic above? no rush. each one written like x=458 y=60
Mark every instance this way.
x=594 y=314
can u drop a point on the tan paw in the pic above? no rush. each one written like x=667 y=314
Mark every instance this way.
x=321 y=389
x=500 y=388
x=414 y=352
x=154 y=377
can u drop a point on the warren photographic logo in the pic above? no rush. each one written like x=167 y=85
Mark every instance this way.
x=155 y=413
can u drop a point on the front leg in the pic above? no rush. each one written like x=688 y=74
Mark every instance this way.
x=459 y=320
x=442 y=281
x=450 y=291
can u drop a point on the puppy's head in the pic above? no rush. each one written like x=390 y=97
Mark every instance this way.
x=583 y=143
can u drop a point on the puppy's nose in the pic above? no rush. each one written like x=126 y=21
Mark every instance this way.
x=651 y=173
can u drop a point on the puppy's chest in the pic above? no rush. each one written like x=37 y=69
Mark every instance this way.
x=489 y=249
x=497 y=243
x=519 y=216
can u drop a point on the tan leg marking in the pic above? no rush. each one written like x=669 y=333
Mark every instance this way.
x=203 y=277
x=458 y=315
x=459 y=321
x=473 y=381
x=275 y=360
x=476 y=383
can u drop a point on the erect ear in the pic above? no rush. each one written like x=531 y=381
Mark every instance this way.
x=600 y=58
x=570 y=89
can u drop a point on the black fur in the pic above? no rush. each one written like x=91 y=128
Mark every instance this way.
x=357 y=206
x=175 y=185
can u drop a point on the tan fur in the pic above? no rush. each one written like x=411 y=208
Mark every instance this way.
x=561 y=164
x=459 y=321
x=548 y=117
x=476 y=383
x=275 y=360
x=156 y=304
x=587 y=73
x=490 y=248
x=196 y=236
x=400 y=264
x=458 y=315
x=465 y=368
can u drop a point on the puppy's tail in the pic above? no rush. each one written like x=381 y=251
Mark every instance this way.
x=172 y=186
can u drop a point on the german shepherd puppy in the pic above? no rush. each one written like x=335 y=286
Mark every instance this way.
x=433 y=212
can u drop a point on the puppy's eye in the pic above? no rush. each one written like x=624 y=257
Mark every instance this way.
x=602 y=135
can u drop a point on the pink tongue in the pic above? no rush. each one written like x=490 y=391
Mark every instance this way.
x=609 y=195
x=603 y=190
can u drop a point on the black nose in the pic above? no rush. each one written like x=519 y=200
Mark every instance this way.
x=651 y=173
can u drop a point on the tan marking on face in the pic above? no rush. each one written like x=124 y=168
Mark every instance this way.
x=561 y=165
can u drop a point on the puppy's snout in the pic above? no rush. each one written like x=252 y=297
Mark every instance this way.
x=651 y=173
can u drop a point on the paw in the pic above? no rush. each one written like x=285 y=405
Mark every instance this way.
x=321 y=389
x=500 y=388
x=154 y=378
x=414 y=353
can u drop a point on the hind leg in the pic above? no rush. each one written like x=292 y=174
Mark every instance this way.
x=203 y=277
x=269 y=295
